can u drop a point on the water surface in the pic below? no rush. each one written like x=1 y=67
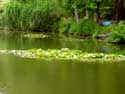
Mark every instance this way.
x=33 y=76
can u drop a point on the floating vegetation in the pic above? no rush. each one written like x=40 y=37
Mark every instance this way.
x=36 y=36
x=66 y=54
x=4 y=90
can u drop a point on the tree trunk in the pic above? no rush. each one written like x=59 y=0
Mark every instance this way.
x=98 y=11
x=76 y=14
x=119 y=10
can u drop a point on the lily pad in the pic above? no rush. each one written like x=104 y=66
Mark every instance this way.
x=36 y=36
x=66 y=54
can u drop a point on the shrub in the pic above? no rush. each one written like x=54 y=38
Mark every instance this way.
x=88 y=26
x=118 y=33
x=103 y=30
x=64 y=24
x=70 y=25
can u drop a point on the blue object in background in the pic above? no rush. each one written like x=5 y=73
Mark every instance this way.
x=106 y=23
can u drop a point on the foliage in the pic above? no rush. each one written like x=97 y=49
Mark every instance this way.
x=84 y=26
x=103 y=30
x=44 y=15
x=87 y=5
x=0 y=20
x=88 y=26
x=118 y=33
x=37 y=16
x=64 y=25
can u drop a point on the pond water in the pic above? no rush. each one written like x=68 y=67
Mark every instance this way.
x=33 y=76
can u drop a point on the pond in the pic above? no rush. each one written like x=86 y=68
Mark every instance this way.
x=34 y=76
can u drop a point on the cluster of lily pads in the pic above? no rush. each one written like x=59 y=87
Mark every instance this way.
x=66 y=54
x=36 y=36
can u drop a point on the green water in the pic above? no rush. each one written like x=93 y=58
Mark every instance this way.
x=33 y=76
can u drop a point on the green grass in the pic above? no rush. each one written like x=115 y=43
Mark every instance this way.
x=35 y=16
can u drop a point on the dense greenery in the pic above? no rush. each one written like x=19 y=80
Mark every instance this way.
x=118 y=33
x=80 y=17
x=31 y=16
x=85 y=26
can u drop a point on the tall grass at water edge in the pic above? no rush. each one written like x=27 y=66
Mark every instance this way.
x=31 y=16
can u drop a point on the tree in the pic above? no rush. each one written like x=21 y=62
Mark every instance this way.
x=119 y=10
x=110 y=9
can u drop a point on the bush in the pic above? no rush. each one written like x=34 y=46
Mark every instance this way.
x=35 y=16
x=70 y=25
x=118 y=33
x=88 y=26
x=103 y=30
x=64 y=25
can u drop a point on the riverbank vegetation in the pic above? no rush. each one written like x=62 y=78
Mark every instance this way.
x=30 y=16
x=118 y=33
x=98 y=19
x=68 y=16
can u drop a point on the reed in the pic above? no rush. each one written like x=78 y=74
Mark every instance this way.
x=29 y=15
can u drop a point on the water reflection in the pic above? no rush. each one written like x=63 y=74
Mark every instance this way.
x=15 y=40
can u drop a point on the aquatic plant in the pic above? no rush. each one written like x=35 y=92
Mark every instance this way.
x=36 y=35
x=66 y=54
